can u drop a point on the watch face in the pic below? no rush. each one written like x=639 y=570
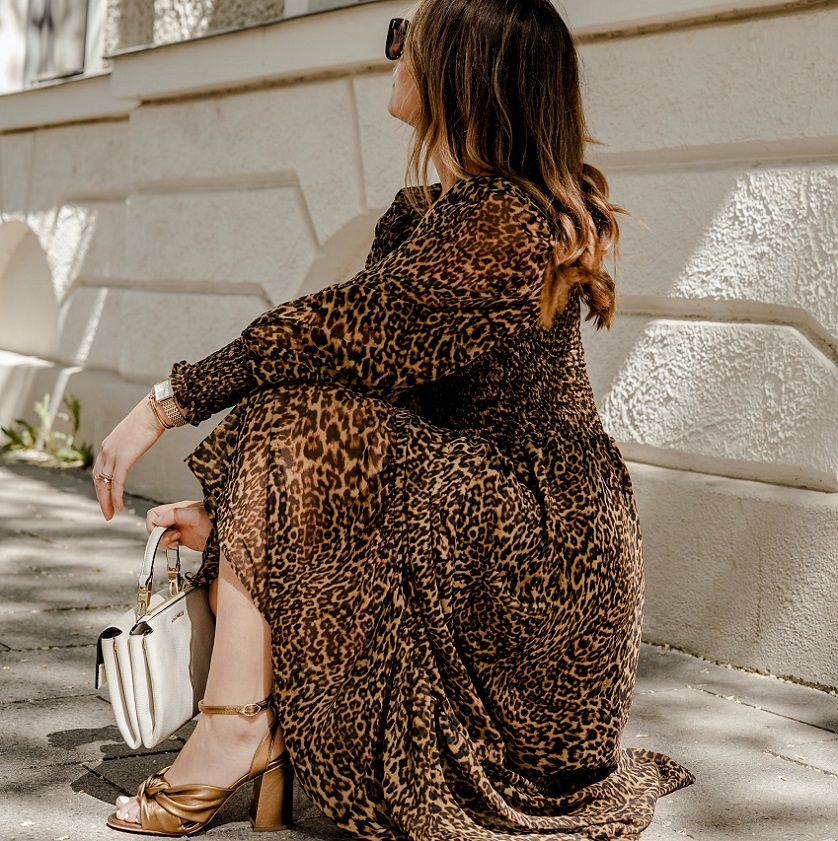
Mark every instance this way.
x=162 y=391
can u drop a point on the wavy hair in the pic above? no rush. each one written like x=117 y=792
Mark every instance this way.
x=498 y=85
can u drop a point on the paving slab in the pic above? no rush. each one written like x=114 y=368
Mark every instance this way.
x=764 y=750
x=56 y=628
x=72 y=803
x=40 y=804
x=42 y=674
x=759 y=774
x=757 y=778
x=62 y=731
x=662 y=668
x=74 y=581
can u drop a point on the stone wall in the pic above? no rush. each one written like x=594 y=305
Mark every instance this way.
x=156 y=210
x=721 y=139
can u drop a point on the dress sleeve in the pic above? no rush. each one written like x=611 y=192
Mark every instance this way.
x=466 y=279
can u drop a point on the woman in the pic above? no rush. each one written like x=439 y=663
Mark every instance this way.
x=418 y=535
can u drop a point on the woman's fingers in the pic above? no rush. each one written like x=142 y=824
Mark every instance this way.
x=102 y=481
x=163 y=515
x=176 y=516
x=188 y=521
x=132 y=437
x=117 y=488
x=168 y=515
x=110 y=486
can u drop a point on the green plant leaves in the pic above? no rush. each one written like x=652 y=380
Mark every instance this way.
x=58 y=447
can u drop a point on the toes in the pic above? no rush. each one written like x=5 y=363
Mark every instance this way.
x=128 y=809
x=121 y=806
x=133 y=811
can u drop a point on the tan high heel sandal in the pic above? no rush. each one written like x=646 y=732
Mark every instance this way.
x=185 y=809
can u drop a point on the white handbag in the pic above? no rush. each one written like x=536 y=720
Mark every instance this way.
x=155 y=659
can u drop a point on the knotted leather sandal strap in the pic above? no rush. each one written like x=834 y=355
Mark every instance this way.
x=176 y=810
x=248 y=710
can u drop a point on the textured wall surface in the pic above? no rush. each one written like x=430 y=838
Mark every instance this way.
x=134 y=23
x=723 y=367
x=742 y=571
x=224 y=181
x=176 y=20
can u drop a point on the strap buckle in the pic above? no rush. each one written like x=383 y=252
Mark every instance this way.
x=248 y=710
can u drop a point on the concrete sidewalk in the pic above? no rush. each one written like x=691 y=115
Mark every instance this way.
x=765 y=751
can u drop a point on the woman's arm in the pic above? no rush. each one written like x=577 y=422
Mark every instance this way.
x=468 y=278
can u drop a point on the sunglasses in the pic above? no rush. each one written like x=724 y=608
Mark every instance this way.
x=396 y=34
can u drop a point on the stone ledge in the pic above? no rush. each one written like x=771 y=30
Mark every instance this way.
x=90 y=98
x=744 y=83
x=338 y=42
x=750 y=581
x=597 y=17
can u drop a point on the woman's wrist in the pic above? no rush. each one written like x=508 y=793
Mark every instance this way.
x=157 y=416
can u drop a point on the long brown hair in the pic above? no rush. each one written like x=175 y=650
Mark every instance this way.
x=498 y=84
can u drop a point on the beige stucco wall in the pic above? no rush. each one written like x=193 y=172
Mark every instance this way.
x=174 y=199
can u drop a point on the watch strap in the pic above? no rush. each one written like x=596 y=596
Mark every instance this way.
x=167 y=410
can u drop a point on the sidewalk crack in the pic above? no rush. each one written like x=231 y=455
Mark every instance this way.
x=40 y=537
x=738 y=700
x=682 y=832
x=52 y=699
x=88 y=644
x=88 y=608
x=802 y=764
x=135 y=754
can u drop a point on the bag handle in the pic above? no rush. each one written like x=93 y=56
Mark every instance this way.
x=144 y=582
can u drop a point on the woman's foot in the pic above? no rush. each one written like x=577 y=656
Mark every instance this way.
x=217 y=753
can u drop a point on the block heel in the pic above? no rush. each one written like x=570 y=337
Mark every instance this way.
x=186 y=809
x=271 y=808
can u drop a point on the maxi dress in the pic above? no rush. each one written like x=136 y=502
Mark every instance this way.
x=415 y=487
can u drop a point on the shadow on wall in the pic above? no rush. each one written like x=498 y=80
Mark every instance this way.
x=29 y=310
x=37 y=274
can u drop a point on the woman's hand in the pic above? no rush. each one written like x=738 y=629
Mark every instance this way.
x=190 y=523
x=135 y=435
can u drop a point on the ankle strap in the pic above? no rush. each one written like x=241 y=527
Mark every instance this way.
x=248 y=710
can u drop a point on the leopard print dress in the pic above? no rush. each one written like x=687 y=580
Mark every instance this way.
x=415 y=487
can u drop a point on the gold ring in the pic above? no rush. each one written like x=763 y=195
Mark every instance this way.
x=104 y=477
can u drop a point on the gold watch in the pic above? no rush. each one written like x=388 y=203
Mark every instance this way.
x=163 y=402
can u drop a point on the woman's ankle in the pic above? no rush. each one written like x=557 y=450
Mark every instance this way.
x=240 y=730
x=237 y=726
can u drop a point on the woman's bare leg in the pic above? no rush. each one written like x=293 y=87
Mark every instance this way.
x=222 y=746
